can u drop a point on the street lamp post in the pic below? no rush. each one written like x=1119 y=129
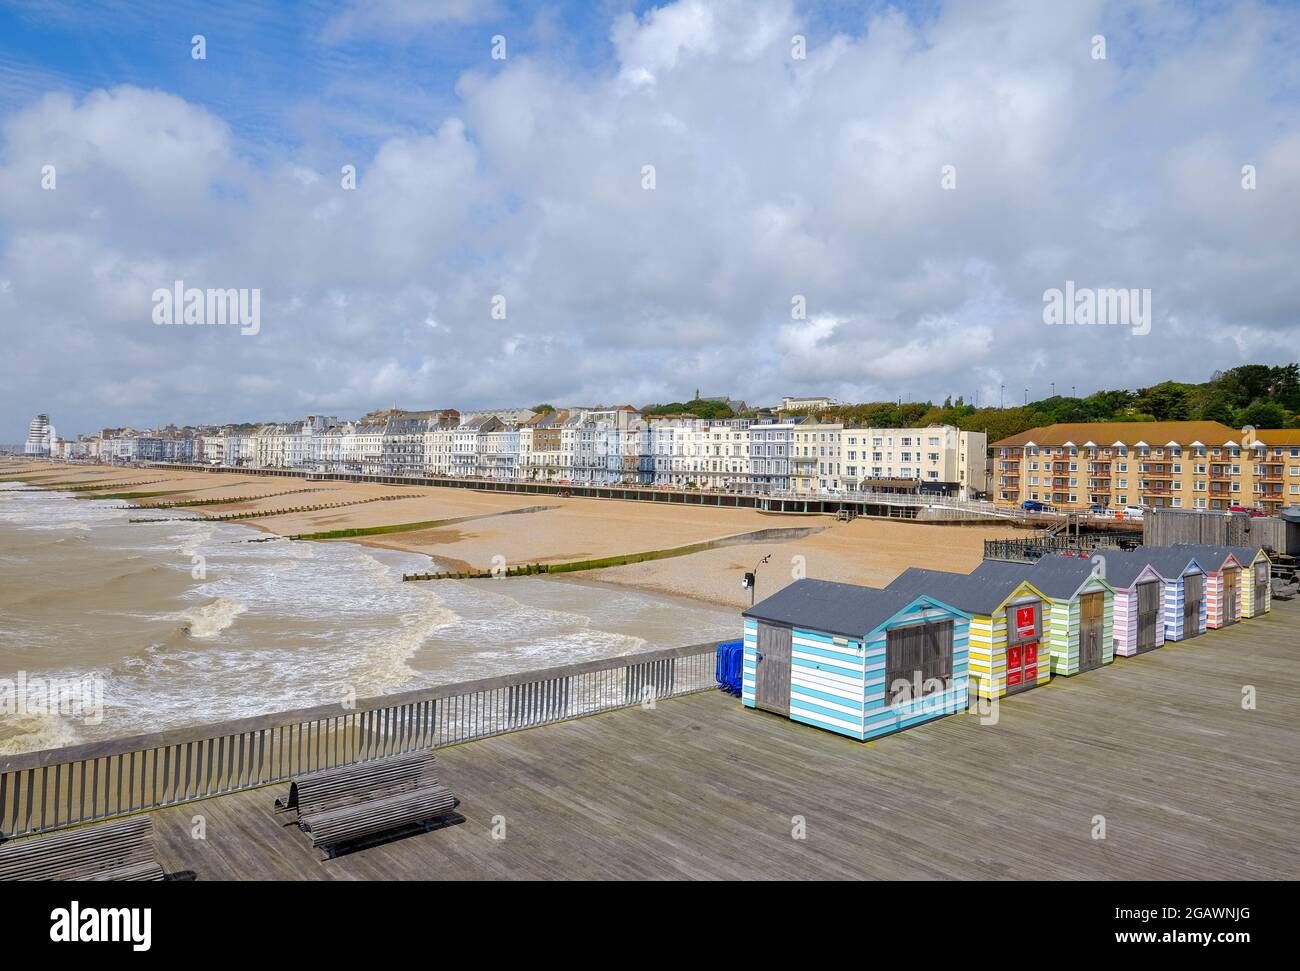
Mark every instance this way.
x=750 y=580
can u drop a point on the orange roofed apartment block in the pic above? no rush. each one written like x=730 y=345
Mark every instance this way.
x=1177 y=464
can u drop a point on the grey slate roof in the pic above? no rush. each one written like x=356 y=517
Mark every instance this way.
x=1214 y=556
x=976 y=595
x=1004 y=570
x=1123 y=567
x=832 y=608
x=1058 y=576
x=1170 y=562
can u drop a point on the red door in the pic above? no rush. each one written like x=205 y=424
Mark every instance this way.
x=1022 y=646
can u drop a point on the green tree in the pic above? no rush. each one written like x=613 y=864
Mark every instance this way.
x=1262 y=414
x=1107 y=405
x=1168 y=401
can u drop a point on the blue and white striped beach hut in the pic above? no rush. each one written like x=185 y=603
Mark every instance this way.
x=1185 y=608
x=855 y=660
x=1138 y=617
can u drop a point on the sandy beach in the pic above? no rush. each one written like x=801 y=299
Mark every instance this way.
x=522 y=529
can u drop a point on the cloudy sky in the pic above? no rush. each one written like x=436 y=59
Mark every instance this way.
x=779 y=180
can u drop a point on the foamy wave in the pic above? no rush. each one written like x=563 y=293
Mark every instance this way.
x=213 y=617
x=32 y=733
x=388 y=666
x=190 y=542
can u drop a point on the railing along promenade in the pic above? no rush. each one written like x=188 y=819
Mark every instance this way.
x=54 y=788
x=888 y=505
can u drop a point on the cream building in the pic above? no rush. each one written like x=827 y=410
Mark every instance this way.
x=826 y=458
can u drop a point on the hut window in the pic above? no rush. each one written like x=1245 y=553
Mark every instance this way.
x=918 y=661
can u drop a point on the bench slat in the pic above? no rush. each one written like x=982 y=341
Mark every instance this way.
x=102 y=852
x=353 y=801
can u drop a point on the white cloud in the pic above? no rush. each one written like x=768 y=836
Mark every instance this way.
x=774 y=178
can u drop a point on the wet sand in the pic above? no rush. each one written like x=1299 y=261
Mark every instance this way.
x=869 y=551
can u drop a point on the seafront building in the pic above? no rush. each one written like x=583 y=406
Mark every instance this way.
x=38 y=436
x=1187 y=464
x=613 y=445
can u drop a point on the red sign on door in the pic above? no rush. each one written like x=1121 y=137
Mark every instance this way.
x=1025 y=626
x=1015 y=662
x=1031 y=662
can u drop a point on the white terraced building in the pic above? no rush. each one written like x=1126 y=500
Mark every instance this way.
x=498 y=453
x=771 y=445
x=593 y=446
x=700 y=453
x=439 y=444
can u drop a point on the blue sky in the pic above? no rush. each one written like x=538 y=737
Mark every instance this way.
x=278 y=74
x=777 y=177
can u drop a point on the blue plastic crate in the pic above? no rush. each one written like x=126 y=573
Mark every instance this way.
x=730 y=667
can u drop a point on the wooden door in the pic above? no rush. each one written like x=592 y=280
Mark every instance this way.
x=1148 y=614
x=1231 y=593
x=1092 y=619
x=772 y=671
x=1193 y=594
x=1261 y=588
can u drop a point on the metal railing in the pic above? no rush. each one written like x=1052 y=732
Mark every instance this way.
x=54 y=788
x=1032 y=550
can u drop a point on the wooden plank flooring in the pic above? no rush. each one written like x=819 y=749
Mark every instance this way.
x=1190 y=785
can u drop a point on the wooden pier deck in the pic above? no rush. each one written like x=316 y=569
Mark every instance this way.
x=1191 y=786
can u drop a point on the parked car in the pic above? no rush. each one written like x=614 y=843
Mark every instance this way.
x=1134 y=512
x=1258 y=514
x=1238 y=509
x=1097 y=510
x=1032 y=505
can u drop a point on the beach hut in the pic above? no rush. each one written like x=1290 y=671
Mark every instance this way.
x=1237 y=585
x=1257 y=586
x=1006 y=626
x=855 y=660
x=1222 y=583
x=1138 y=614
x=1079 y=629
x=1185 y=608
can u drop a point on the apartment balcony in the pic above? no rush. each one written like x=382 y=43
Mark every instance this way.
x=1272 y=473
x=1155 y=489
x=1158 y=472
x=1220 y=474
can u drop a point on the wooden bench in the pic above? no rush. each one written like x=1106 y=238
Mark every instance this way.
x=122 y=850
x=351 y=802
